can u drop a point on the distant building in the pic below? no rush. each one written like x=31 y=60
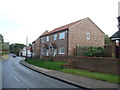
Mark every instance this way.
x=29 y=54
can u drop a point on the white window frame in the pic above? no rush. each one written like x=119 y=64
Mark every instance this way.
x=47 y=38
x=55 y=36
x=43 y=39
x=62 y=50
x=88 y=36
x=62 y=35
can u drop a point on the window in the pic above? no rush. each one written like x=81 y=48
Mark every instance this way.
x=50 y=46
x=88 y=36
x=62 y=35
x=62 y=50
x=47 y=38
x=55 y=36
x=43 y=39
x=43 y=50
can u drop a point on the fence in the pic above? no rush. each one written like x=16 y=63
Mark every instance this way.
x=108 y=51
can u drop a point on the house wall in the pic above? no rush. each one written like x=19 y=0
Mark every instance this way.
x=59 y=42
x=77 y=35
x=24 y=52
x=33 y=49
x=37 y=48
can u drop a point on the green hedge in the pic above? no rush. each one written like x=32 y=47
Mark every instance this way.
x=95 y=52
x=90 y=51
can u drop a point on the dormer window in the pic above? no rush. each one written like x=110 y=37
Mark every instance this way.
x=88 y=36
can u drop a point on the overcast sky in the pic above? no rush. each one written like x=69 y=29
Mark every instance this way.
x=30 y=18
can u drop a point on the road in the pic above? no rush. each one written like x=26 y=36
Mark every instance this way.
x=14 y=75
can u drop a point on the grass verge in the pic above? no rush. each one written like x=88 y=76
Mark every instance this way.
x=47 y=64
x=95 y=75
x=53 y=65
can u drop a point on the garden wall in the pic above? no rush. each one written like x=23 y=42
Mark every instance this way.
x=98 y=64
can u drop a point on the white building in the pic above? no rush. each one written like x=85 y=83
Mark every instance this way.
x=28 y=52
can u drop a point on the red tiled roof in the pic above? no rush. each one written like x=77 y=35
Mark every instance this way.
x=61 y=28
x=45 y=33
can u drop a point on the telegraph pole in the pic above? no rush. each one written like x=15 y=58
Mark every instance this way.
x=26 y=47
x=118 y=40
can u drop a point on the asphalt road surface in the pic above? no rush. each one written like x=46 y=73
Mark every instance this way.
x=14 y=75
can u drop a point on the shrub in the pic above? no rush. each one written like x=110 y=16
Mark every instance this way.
x=95 y=52
x=81 y=51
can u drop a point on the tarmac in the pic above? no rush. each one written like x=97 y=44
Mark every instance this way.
x=78 y=81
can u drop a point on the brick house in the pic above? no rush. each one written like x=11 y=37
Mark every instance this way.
x=36 y=48
x=63 y=40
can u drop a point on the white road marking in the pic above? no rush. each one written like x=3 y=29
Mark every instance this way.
x=19 y=81
x=15 y=77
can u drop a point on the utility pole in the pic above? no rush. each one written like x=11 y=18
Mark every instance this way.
x=118 y=40
x=26 y=47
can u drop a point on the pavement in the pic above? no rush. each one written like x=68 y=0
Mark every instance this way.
x=79 y=81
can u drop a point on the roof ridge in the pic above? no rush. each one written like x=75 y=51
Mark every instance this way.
x=64 y=26
x=70 y=23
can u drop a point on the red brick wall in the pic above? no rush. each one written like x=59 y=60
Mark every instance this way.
x=37 y=48
x=97 y=64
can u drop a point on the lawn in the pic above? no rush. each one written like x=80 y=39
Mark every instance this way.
x=55 y=65
x=47 y=64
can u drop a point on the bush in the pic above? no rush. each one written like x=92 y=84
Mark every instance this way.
x=81 y=51
x=95 y=52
